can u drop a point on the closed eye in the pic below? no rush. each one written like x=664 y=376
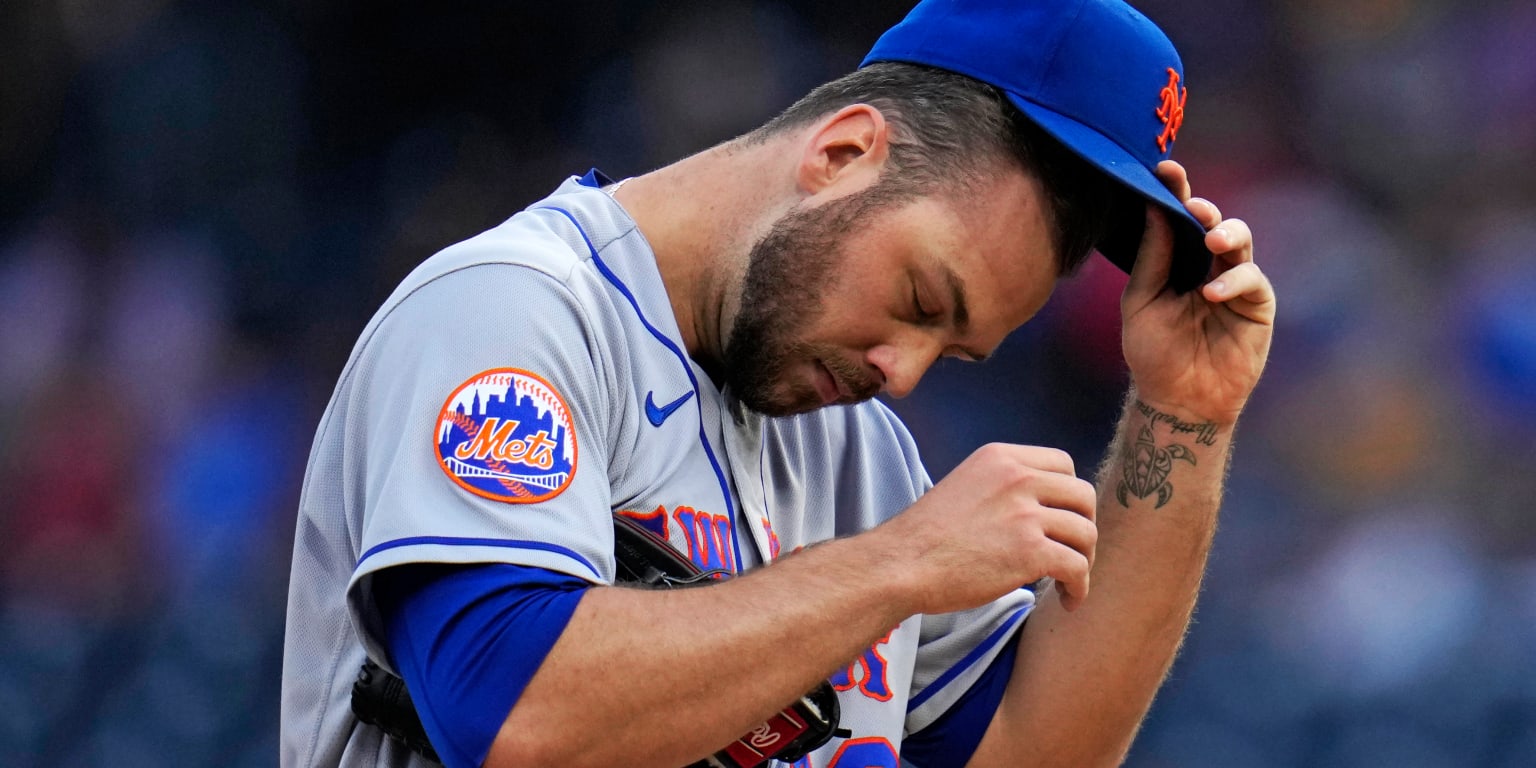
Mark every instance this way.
x=922 y=314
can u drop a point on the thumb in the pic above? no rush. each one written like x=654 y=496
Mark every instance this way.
x=1154 y=259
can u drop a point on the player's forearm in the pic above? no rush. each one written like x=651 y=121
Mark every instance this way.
x=1084 y=680
x=662 y=678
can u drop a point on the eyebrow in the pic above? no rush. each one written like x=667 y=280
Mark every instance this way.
x=959 y=314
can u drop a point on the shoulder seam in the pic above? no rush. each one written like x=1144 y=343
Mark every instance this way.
x=626 y=232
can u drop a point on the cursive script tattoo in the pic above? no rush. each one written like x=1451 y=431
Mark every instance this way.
x=1205 y=432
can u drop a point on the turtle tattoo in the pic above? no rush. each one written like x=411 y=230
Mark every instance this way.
x=1146 y=468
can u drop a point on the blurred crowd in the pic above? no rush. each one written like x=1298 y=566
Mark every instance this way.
x=202 y=203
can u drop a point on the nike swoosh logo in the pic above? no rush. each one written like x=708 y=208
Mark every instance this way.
x=659 y=415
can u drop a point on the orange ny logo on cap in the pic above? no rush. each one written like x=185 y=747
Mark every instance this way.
x=1171 y=110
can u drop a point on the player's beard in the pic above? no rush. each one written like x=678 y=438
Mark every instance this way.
x=789 y=272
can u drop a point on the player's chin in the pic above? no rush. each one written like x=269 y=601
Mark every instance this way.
x=793 y=404
x=784 y=399
x=802 y=388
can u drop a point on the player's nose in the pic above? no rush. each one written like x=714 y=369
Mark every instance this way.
x=901 y=366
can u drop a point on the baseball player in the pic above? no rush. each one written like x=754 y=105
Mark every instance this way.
x=696 y=349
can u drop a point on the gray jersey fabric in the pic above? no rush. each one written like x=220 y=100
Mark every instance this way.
x=503 y=404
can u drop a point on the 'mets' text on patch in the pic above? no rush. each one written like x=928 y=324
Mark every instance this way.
x=506 y=434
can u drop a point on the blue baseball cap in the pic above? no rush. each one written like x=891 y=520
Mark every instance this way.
x=1095 y=74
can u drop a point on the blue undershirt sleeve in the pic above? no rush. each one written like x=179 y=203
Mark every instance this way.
x=950 y=740
x=467 y=639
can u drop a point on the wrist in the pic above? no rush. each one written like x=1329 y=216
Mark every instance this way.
x=1201 y=427
x=1140 y=402
x=1160 y=448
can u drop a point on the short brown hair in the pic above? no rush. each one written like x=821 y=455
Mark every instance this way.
x=950 y=130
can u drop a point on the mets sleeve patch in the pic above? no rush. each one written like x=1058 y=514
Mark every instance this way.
x=507 y=435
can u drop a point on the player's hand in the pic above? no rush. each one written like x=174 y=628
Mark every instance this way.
x=1199 y=354
x=1009 y=515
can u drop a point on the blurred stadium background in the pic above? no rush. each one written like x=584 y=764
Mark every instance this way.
x=202 y=202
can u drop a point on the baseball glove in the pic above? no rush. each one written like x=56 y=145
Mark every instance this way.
x=643 y=559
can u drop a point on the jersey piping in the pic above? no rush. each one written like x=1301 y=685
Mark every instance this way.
x=462 y=541
x=966 y=661
x=709 y=451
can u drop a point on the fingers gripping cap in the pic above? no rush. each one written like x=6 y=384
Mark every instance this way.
x=1096 y=74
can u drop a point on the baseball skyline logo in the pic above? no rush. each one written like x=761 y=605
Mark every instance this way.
x=507 y=435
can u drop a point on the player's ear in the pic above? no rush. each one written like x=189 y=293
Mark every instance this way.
x=849 y=147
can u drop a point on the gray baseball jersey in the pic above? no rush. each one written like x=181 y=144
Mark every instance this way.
x=521 y=387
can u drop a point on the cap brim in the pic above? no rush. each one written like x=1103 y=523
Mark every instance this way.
x=1191 y=259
